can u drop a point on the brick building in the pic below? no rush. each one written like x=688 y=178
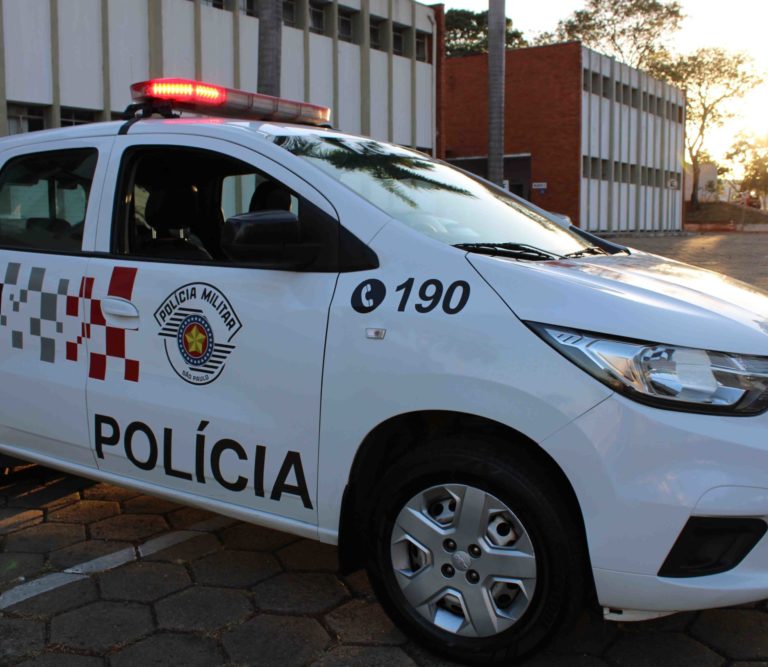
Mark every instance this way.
x=585 y=135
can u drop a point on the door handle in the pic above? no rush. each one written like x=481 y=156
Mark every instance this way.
x=118 y=308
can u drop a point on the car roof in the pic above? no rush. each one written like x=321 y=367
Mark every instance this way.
x=263 y=130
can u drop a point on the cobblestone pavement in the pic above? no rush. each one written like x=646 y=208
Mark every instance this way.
x=196 y=589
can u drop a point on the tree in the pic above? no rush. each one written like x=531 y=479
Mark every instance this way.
x=751 y=153
x=496 y=58
x=466 y=33
x=711 y=78
x=270 y=46
x=632 y=31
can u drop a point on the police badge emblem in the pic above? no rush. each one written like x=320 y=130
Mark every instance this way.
x=198 y=324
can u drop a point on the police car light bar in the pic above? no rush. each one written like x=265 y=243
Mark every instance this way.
x=209 y=99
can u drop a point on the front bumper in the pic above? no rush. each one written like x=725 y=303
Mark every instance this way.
x=639 y=474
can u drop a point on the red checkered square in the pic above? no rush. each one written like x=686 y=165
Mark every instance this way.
x=131 y=370
x=115 y=342
x=97 y=368
x=72 y=351
x=97 y=317
x=72 y=302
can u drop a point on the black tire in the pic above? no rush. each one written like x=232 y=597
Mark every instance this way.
x=495 y=467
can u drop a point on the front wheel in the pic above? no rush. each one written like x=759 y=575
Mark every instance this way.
x=475 y=554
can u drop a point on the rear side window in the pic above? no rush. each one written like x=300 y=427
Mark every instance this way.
x=44 y=198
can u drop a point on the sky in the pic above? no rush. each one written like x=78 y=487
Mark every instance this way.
x=736 y=25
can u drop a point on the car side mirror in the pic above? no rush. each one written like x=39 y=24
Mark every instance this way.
x=269 y=239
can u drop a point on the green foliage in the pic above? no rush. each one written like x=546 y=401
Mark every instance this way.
x=711 y=78
x=466 y=33
x=632 y=31
x=752 y=154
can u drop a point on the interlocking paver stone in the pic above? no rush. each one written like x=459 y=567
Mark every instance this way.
x=235 y=569
x=20 y=637
x=202 y=608
x=188 y=516
x=62 y=491
x=362 y=622
x=86 y=511
x=591 y=634
x=45 y=537
x=559 y=660
x=247 y=537
x=279 y=641
x=58 y=600
x=189 y=550
x=82 y=552
x=168 y=648
x=13 y=519
x=365 y=656
x=143 y=582
x=103 y=491
x=16 y=565
x=739 y=634
x=359 y=584
x=130 y=527
x=299 y=593
x=62 y=660
x=149 y=505
x=309 y=556
x=101 y=625
x=653 y=649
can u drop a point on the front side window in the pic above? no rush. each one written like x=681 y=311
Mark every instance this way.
x=174 y=204
x=44 y=198
x=429 y=196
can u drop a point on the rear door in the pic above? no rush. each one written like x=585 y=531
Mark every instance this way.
x=205 y=375
x=49 y=195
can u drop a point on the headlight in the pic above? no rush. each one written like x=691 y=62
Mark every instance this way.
x=667 y=376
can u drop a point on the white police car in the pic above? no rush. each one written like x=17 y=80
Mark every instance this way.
x=349 y=341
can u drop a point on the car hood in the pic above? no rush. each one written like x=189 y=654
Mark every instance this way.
x=640 y=296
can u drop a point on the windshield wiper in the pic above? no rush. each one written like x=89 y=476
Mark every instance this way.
x=590 y=250
x=516 y=250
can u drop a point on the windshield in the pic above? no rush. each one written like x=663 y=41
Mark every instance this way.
x=429 y=196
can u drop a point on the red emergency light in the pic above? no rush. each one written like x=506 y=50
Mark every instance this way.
x=209 y=99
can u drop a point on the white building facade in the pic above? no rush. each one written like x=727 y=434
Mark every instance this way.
x=66 y=62
x=633 y=132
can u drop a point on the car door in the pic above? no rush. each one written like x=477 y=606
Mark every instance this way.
x=204 y=375
x=49 y=195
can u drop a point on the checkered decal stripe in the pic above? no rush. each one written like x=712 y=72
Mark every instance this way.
x=49 y=320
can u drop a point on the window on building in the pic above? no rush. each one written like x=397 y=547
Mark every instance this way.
x=626 y=94
x=585 y=166
x=594 y=171
x=423 y=47
x=624 y=172
x=346 y=25
x=376 y=33
x=43 y=199
x=606 y=87
x=633 y=173
x=316 y=17
x=217 y=4
x=680 y=114
x=605 y=170
x=635 y=98
x=617 y=96
x=398 y=40
x=250 y=7
x=70 y=116
x=289 y=13
x=645 y=101
x=595 y=88
x=585 y=80
x=25 y=119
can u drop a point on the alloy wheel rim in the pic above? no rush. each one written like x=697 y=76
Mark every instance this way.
x=463 y=560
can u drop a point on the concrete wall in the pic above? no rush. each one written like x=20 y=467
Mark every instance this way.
x=86 y=53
